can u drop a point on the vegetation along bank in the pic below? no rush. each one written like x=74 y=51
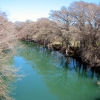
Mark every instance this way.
x=73 y=30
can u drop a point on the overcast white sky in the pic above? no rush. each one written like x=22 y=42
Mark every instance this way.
x=20 y=10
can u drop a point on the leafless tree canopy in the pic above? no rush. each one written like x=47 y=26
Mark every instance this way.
x=82 y=21
x=83 y=16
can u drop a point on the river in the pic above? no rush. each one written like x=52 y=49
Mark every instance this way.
x=51 y=76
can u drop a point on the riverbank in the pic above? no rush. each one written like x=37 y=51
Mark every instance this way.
x=73 y=52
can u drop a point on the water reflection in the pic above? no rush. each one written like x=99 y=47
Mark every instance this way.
x=65 y=77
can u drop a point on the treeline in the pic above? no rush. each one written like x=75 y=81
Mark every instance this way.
x=84 y=19
x=75 y=28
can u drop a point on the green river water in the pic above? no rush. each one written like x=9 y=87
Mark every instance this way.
x=51 y=76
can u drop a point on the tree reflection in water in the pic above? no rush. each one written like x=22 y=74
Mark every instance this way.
x=65 y=77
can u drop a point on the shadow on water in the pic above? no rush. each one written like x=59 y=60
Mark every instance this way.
x=66 y=78
x=97 y=99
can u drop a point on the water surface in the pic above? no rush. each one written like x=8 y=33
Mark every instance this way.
x=51 y=76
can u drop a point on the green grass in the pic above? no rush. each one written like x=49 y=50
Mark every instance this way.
x=98 y=43
x=75 y=43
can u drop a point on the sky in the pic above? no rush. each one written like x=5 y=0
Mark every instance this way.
x=21 y=10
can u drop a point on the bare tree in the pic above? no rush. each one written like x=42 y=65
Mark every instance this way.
x=64 y=21
x=7 y=35
x=86 y=18
x=61 y=16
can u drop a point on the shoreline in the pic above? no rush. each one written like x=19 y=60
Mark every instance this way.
x=72 y=52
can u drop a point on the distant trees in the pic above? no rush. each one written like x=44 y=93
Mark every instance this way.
x=43 y=31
